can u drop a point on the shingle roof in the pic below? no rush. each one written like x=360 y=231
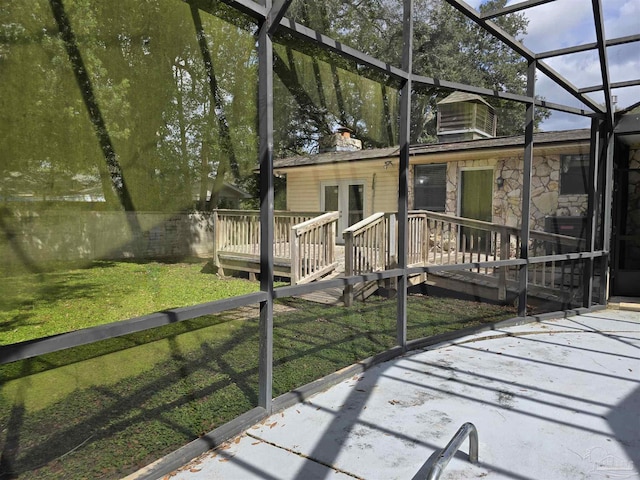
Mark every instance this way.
x=540 y=138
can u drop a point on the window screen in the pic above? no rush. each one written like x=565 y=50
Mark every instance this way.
x=574 y=170
x=430 y=187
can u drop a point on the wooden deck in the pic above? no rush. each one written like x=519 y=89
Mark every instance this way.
x=306 y=251
x=250 y=255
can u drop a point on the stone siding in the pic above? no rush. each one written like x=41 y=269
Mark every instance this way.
x=546 y=199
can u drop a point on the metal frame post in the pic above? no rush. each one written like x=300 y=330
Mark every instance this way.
x=594 y=189
x=607 y=137
x=265 y=126
x=403 y=173
x=526 y=190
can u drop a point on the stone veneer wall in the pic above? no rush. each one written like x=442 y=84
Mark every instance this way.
x=507 y=201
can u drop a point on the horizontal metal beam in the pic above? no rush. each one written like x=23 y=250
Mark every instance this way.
x=588 y=46
x=33 y=348
x=519 y=48
x=283 y=292
x=516 y=7
x=596 y=88
x=326 y=42
x=420 y=80
x=563 y=108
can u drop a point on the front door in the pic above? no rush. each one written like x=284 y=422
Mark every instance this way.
x=476 y=193
x=346 y=197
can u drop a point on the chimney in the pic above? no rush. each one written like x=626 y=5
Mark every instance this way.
x=340 y=141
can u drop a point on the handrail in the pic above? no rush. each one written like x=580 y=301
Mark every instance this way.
x=366 y=249
x=466 y=430
x=278 y=213
x=482 y=225
x=313 y=248
x=362 y=224
x=307 y=225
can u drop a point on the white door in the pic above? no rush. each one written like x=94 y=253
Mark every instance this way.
x=346 y=197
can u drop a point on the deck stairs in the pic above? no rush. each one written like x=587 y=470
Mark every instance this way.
x=335 y=295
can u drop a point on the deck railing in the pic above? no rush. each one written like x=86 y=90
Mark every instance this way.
x=367 y=248
x=456 y=240
x=365 y=245
x=417 y=238
x=441 y=239
x=238 y=231
x=304 y=244
x=313 y=248
x=371 y=244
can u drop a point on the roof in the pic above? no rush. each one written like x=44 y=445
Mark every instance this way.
x=458 y=97
x=230 y=190
x=540 y=138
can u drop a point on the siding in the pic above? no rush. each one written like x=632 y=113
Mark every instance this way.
x=381 y=185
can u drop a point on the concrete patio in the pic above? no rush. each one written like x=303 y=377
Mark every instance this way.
x=551 y=400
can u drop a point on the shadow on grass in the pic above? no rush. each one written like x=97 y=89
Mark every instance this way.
x=205 y=377
x=23 y=295
x=105 y=430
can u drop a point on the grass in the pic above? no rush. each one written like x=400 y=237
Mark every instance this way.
x=43 y=304
x=106 y=409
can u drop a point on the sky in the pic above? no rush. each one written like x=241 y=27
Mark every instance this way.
x=565 y=23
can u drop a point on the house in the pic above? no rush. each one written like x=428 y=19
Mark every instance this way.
x=469 y=173
x=230 y=195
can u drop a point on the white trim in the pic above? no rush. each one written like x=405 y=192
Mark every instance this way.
x=465 y=130
x=343 y=200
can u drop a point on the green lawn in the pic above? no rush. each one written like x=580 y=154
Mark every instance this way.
x=106 y=409
x=43 y=304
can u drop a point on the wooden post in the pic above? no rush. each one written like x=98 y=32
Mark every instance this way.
x=295 y=260
x=347 y=294
x=504 y=255
x=425 y=242
x=217 y=243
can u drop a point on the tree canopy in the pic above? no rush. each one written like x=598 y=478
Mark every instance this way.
x=153 y=103
x=447 y=46
x=156 y=101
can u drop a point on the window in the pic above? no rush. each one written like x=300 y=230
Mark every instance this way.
x=430 y=187
x=574 y=170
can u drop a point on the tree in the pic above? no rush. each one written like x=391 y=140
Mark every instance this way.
x=126 y=96
x=446 y=46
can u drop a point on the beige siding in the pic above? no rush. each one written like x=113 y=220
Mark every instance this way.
x=304 y=184
x=380 y=185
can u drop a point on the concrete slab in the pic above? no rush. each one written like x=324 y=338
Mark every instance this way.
x=551 y=400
